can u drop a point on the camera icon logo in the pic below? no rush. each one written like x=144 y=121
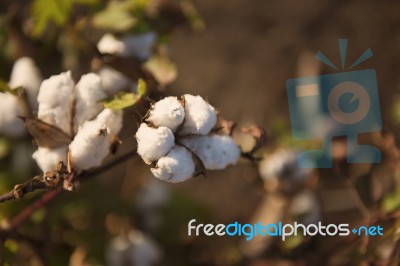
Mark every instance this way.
x=331 y=105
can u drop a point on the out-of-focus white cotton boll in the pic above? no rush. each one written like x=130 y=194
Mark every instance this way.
x=114 y=81
x=144 y=252
x=10 y=124
x=54 y=101
x=26 y=74
x=282 y=164
x=90 y=145
x=48 y=158
x=177 y=166
x=88 y=92
x=108 y=44
x=153 y=143
x=167 y=112
x=216 y=151
x=140 y=45
x=200 y=117
x=112 y=119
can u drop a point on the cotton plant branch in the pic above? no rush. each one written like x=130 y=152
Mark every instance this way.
x=49 y=182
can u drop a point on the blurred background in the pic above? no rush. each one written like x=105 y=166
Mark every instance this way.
x=238 y=55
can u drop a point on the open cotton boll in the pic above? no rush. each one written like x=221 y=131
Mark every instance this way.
x=140 y=45
x=90 y=145
x=88 y=92
x=54 y=101
x=216 y=151
x=114 y=81
x=112 y=119
x=153 y=143
x=177 y=166
x=108 y=44
x=200 y=117
x=10 y=124
x=167 y=112
x=47 y=158
x=26 y=74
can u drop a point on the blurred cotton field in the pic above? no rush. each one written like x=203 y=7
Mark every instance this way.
x=123 y=120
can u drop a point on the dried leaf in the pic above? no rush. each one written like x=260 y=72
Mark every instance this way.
x=116 y=17
x=46 y=135
x=162 y=68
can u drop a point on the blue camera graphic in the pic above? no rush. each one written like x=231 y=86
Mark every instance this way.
x=339 y=104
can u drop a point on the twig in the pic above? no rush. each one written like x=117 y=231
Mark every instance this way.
x=34 y=185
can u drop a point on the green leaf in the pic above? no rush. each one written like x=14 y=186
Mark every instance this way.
x=162 y=69
x=47 y=11
x=141 y=87
x=116 y=17
x=124 y=100
x=5 y=88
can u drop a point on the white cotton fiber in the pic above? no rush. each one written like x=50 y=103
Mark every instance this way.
x=114 y=81
x=108 y=44
x=47 y=159
x=88 y=92
x=153 y=143
x=216 y=152
x=176 y=166
x=54 y=101
x=200 y=117
x=26 y=74
x=10 y=124
x=167 y=112
x=112 y=119
x=90 y=145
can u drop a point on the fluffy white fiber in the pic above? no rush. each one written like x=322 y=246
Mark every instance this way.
x=167 y=112
x=200 y=117
x=10 y=124
x=114 y=81
x=26 y=74
x=153 y=143
x=216 y=152
x=90 y=146
x=176 y=166
x=88 y=92
x=54 y=101
x=48 y=158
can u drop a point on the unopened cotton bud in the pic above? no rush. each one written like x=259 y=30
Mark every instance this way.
x=48 y=158
x=176 y=166
x=54 y=101
x=26 y=74
x=10 y=124
x=200 y=117
x=153 y=143
x=167 y=112
x=215 y=151
x=90 y=145
x=114 y=81
x=112 y=119
x=88 y=92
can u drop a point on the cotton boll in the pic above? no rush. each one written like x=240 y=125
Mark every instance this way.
x=177 y=166
x=140 y=45
x=167 y=112
x=200 y=117
x=153 y=143
x=108 y=44
x=26 y=74
x=112 y=119
x=90 y=145
x=54 y=101
x=216 y=151
x=10 y=124
x=88 y=92
x=114 y=81
x=144 y=251
x=48 y=158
